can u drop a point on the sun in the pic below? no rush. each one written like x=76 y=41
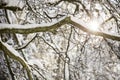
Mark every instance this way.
x=93 y=25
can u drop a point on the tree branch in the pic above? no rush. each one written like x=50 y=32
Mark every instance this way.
x=32 y=28
x=97 y=33
x=26 y=44
x=8 y=50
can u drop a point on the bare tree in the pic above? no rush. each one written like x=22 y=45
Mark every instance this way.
x=60 y=39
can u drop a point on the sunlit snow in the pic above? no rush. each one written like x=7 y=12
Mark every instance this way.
x=17 y=26
x=94 y=25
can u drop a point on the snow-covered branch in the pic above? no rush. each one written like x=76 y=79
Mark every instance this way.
x=15 y=55
x=32 y=28
x=83 y=27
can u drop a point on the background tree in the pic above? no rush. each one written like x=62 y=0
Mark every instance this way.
x=59 y=39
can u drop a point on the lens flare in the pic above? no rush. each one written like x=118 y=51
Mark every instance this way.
x=94 y=25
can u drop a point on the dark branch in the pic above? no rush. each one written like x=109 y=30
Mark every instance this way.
x=23 y=30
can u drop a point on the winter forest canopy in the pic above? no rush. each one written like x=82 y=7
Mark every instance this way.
x=59 y=39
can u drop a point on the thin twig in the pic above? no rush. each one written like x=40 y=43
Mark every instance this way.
x=25 y=45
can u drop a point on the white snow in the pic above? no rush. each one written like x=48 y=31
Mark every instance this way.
x=15 y=3
x=66 y=71
x=11 y=49
x=37 y=62
x=20 y=39
x=12 y=17
x=86 y=25
x=98 y=6
x=81 y=22
x=17 y=26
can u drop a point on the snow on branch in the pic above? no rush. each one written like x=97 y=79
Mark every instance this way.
x=25 y=45
x=79 y=24
x=11 y=52
x=32 y=28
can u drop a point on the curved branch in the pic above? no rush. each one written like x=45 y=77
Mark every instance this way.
x=32 y=28
x=15 y=55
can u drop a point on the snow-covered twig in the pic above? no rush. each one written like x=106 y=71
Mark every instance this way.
x=25 y=45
